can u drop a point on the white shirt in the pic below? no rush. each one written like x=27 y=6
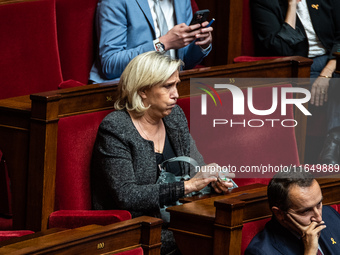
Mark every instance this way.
x=167 y=7
x=315 y=46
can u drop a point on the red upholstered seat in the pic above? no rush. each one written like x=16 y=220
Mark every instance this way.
x=248 y=51
x=29 y=61
x=76 y=136
x=5 y=235
x=249 y=230
x=76 y=38
x=137 y=251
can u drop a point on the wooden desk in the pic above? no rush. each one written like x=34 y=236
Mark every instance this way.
x=216 y=223
x=29 y=125
x=144 y=232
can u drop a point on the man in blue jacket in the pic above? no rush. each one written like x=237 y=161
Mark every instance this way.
x=127 y=28
x=300 y=224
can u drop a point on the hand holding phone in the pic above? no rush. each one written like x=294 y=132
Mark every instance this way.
x=200 y=16
x=210 y=23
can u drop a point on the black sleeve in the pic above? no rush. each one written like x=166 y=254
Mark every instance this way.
x=272 y=34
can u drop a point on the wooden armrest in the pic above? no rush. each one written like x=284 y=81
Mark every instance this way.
x=142 y=232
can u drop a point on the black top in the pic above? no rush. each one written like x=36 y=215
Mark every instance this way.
x=274 y=37
x=168 y=153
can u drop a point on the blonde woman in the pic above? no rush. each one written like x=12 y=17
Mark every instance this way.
x=146 y=129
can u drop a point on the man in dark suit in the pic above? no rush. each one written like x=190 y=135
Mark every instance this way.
x=300 y=224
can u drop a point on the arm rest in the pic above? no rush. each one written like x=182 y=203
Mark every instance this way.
x=78 y=218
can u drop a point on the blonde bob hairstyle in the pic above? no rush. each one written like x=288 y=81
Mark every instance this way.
x=144 y=71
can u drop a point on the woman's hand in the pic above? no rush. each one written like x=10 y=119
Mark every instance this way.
x=320 y=86
x=319 y=91
x=208 y=174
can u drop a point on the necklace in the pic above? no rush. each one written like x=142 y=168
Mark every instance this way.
x=158 y=144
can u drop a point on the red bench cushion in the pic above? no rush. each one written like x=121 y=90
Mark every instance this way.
x=5 y=235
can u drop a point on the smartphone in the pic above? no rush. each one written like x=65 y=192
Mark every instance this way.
x=200 y=16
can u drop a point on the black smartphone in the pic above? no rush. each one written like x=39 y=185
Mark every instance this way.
x=200 y=16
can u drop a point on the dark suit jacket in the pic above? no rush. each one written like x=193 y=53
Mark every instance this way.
x=274 y=37
x=275 y=239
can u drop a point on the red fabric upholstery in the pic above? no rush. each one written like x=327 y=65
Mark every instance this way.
x=6 y=223
x=248 y=50
x=335 y=207
x=194 y=6
x=29 y=60
x=137 y=251
x=76 y=136
x=70 y=84
x=249 y=230
x=184 y=103
x=78 y=218
x=244 y=146
x=5 y=235
x=251 y=59
x=247 y=32
x=76 y=37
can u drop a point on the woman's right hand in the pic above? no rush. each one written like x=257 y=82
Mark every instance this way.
x=208 y=174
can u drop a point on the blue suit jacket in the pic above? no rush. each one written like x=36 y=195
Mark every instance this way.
x=277 y=240
x=125 y=29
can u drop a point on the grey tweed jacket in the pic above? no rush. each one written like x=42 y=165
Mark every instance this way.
x=124 y=169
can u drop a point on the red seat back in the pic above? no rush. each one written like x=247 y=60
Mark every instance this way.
x=29 y=61
x=76 y=137
x=247 y=31
x=249 y=230
x=248 y=47
x=242 y=145
x=76 y=37
x=194 y=6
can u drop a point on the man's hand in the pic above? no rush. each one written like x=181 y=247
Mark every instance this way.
x=309 y=234
x=204 y=37
x=180 y=36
